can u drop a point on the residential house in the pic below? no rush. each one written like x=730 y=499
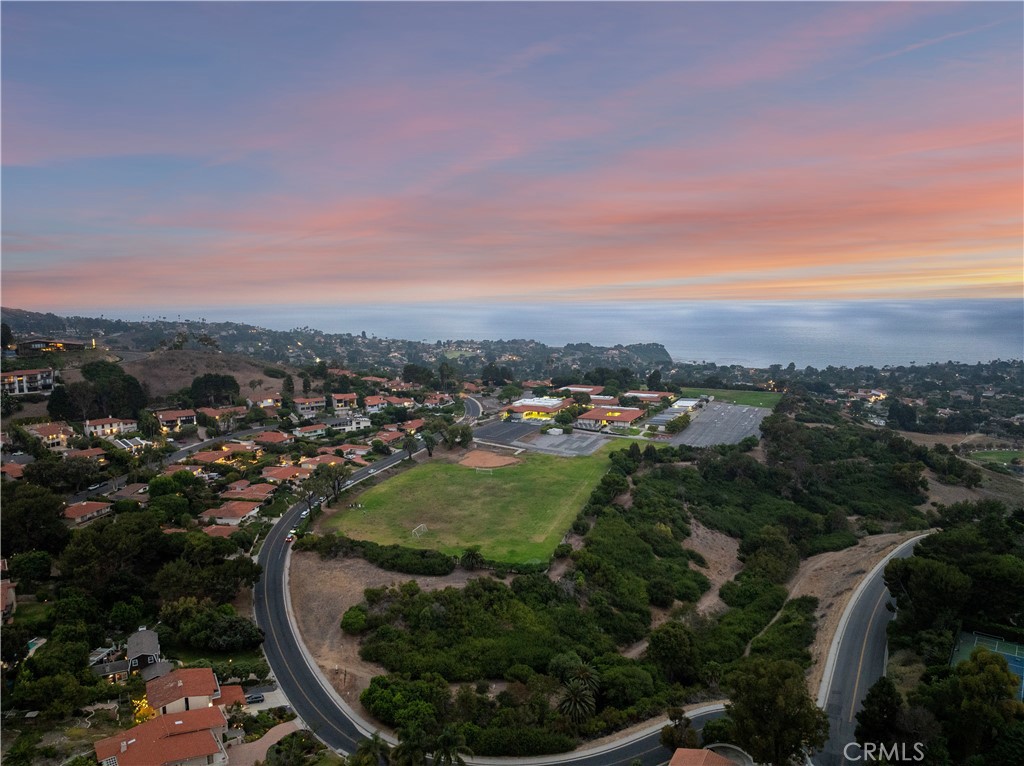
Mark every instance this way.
x=281 y=473
x=257 y=492
x=344 y=401
x=388 y=437
x=315 y=431
x=219 y=530
x=133 y=445
x=375 y=404
x=686 y=756
x=195 y=470
x=183 y=689
x=313 y=462
x=268 y=400
x=86 y=511
x=536 y=384
x=374 y=379
x=542 y=408
x=174 y=420
x=350 y=450
x=13 y=471
x=272 y=437
x=233 y=512
x=308 y=406
x=188 y=738
x=226 y=417
x=435 y=401
x=400 y=401
x=96 y=454
x=354 y=423
x=53 y=435
x=107 y=427
x=18 y=382
x=137 y=492
x=34 y=345
x=143 y=649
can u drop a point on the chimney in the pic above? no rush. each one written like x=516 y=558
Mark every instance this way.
x=180 y=682
x=124 y=746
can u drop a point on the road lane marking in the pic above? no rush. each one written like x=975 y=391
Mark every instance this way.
x=864 y=646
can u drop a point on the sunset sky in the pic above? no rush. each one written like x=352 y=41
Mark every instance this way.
x=184 y=156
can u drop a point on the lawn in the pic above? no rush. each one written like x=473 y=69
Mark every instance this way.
x=748 y=398
x=1001 y=456
x=516 y=514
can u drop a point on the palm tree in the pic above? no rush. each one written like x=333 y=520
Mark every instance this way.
x=472 y=558
x=409 y=445
x=577 y=702
x=412 y=748
x=429 y=442
x=373 y=751
x=587 y=675
x=449 y=746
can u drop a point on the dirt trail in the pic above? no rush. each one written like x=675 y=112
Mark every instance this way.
x=721 y=553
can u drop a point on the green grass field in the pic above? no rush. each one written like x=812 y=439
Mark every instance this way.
x=748 y=398
x=1001 y=456
x=516 y=514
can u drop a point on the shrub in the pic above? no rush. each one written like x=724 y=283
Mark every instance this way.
x=354 y=620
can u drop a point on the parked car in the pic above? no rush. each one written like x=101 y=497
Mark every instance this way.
x=254 y=699
x=304 y=514
x=95 y=486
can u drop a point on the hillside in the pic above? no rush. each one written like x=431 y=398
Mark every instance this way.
x=166 y=371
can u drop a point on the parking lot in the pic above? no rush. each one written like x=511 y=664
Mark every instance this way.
x=504 y=432
x=720 y=423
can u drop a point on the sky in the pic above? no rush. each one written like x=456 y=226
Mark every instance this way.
x=182 y=156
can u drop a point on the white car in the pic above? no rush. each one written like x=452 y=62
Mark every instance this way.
x=304 y=514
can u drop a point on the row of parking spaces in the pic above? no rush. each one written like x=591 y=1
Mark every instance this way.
x=504 y=431
x=720 y=423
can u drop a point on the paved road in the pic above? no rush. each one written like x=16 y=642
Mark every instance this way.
x=859 y=662
x=473 y=409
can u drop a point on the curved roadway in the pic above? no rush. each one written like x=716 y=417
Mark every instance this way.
x=856 y=661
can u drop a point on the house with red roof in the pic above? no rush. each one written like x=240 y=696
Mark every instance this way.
x=13 y=471
x=315 y=431
x=281 y=473
x=400 y=401
x=218 y=530
x=374 y=403
x=273 y=437
x=581 y=389
x=687 y=756
x=344 y=401
x=180 y=739
x=107 y=427
x=374 y=379
x=86 y=511
x=183 y=689
x=54 y=436
x=233 y=512
x=434 y=401
x=651 y=397
x=388 y=437
x=174 y=420
x=267 y=401
x=96 y=454
x=226 y=417
x=256 y=492
x=313 y=462
x=348 y=450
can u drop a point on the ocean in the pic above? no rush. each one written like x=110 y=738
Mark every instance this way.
x=753 y=334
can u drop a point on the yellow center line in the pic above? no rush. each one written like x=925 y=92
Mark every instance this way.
x=864 y=646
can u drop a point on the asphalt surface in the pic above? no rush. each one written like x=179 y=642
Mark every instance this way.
x=504 y=432
x=720 y=423
x=860 y=662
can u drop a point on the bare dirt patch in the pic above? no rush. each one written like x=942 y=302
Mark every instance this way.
x=481 y=458
x=321 y=591
x=930 y=440
x=167 y=371
x=721 y=553
x=832 y=578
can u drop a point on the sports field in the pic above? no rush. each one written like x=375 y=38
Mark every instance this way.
x=749 y=398
x=1002 y=456
x=516 y=514
x=1012 y=653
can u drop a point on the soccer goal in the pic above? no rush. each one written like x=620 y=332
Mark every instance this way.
x=419 y=531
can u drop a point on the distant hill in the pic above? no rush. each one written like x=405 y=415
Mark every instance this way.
x=304 y=346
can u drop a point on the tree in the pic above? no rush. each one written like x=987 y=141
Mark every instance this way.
x=31 y=567
x=510 y=393
x=412 y=748
x=410 y=445
x=472 y=558
x=673 y=649
x=213 y=388
x=577 y=702
x=679 y=733
x=32 y=518
x=373 y=751
x=775 y=719
x=6 y=336
x=449 y=746
x=883 y=707
x=429 y=441
x=335 y=475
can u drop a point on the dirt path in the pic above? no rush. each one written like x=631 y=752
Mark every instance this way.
x=720 y=551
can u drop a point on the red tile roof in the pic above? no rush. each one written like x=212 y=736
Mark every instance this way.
x=13 y=470
x=388 y=436
x=85 y=508
x=164 y=415
x=180 y=683
x=166 y=739
x=272 y=437
x=253 y=492
x=374 y=401
x=233 y=509
x=109 y=421
x=231 y=695
x=685 y=756
x=218 y=530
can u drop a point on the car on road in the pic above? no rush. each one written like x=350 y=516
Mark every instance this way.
x=372 y=471
x=254 y=699
x=290 y=539
x=95 y=486
x=304 y=514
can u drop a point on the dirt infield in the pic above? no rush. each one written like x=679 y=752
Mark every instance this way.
x=480 y=458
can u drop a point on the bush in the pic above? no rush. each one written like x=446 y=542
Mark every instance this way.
x=354 y=620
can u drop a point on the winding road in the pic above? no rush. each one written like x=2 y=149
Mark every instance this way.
x=856 y=661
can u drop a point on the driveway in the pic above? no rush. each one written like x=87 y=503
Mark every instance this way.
x=250 y=752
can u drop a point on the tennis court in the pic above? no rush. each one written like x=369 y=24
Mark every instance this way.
x=1014 y=653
